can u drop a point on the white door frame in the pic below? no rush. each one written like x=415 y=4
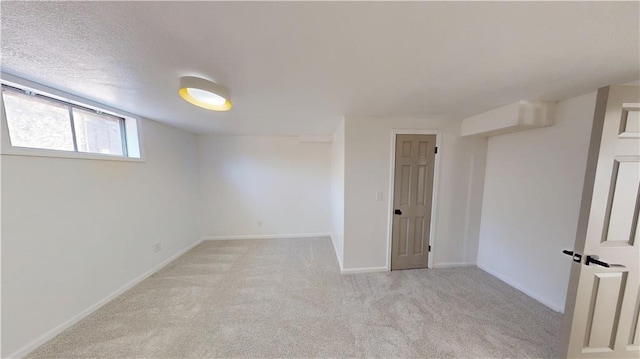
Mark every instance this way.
x=434 y=198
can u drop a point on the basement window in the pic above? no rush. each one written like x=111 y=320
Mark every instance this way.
x=41 y=124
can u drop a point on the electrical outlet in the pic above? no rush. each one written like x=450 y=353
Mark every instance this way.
x=378 y=196
x=259 y=223
x=157 y=247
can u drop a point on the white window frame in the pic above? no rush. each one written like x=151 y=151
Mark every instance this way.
x=132 y=125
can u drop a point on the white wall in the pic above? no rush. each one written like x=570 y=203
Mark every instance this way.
x=263 y=185
x=74 y=231
x=337 y=192
x=533 y=188
x=368 y=170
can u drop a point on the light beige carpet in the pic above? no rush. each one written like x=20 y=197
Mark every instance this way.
x=286 y=298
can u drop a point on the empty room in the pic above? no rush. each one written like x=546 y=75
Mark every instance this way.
x=320 y=179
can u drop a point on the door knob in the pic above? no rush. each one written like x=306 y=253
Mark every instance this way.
x=397 y=212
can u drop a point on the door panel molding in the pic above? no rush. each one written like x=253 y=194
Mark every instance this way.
x=603 y=298
x=630 y=168
x=434 y=194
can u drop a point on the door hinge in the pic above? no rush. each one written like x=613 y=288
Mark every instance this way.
x=429 y=248
x=436 y=150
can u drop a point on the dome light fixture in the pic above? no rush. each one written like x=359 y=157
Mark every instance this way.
x=204 y=93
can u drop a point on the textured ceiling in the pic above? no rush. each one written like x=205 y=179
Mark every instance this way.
x=297 y=68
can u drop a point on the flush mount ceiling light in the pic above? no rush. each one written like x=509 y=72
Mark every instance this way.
x=204 y=93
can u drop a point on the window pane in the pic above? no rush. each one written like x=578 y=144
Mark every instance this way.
x=97 y=133
x=37 y=123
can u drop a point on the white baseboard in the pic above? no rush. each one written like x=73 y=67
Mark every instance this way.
x=511 y=282
x=266 y=236
x=364 y=270
x=335 y=249
x=60 y=328
x=454 y=264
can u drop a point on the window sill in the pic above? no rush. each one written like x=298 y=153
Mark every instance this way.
x=34 y=152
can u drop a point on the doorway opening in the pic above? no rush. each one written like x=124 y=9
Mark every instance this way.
x=412 y=198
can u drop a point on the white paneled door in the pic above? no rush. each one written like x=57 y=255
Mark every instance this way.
x=601 y=316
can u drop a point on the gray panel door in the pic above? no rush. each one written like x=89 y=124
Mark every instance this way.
x=412 y=194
